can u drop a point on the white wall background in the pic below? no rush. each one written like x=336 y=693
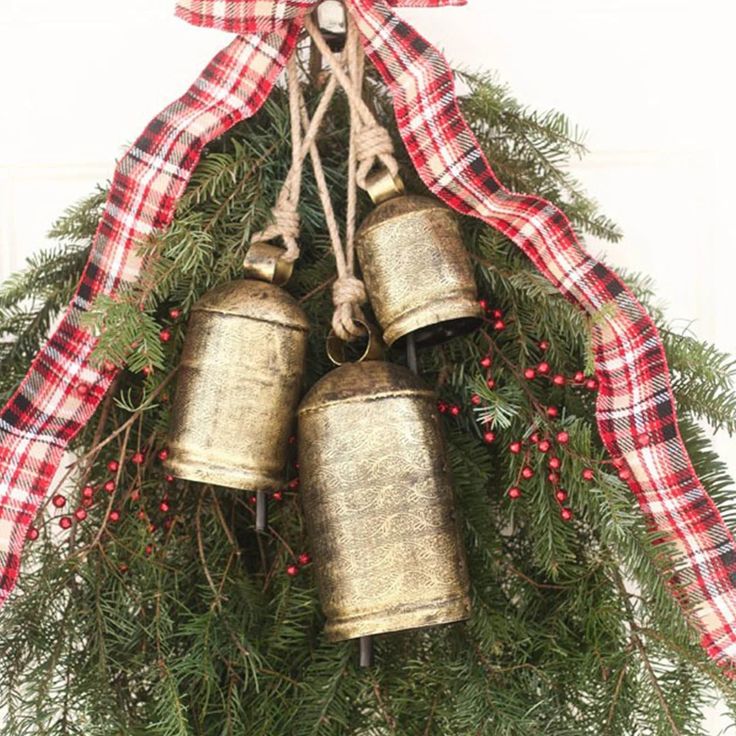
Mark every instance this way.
x=652 y=80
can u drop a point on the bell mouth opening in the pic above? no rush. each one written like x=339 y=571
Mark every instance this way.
x=432 y=335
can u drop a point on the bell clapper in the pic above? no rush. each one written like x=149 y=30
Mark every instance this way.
x=411 y=353
x=261 y=511
x=366 y=651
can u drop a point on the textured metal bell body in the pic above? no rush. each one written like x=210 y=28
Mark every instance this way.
x=238 y=388
x=417 y=271
x=378 y=503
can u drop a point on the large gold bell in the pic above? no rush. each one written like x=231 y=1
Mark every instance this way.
x=240 y=380
x=378 y=503
x=416 y=269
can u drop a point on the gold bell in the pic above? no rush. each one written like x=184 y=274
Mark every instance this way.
x=240 y=379
x=378 y=503
x=416 y=268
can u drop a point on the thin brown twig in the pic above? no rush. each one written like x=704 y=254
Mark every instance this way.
x=202 y=556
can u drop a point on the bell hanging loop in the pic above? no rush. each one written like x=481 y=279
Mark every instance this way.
x=372 y=345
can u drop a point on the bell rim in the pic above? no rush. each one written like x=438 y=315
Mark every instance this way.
x=461 y=306
x=451 y=610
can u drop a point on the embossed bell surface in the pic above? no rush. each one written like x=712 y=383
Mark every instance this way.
x=238 y=387
x=417 y=271
x=378 y=502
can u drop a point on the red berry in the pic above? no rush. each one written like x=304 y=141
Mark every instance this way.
x=579 y=377
x=489 y=437
x=80 y=514
x=32 y=534
x=563 y=437
x=561 y=495
x=553 y=478
x=566 y=514
x=136 y=495
x=527 y=472
x=149 y=549
x=553 y=412
x=152 y=528
x=515 y=447
x=304 y=559
x=122 y=568
x=294 y=484
x=499 y=325
x=543 y=368
x=252 y=500
x=141 y=515
x=82 y=389
x=455 y=410
x=174 y=313
x=530 y=374
x=555 y=463
x=114 y=516
x=88 y=492
x=514 y=493
x=165 y=335
x=277 y=496
x=169 y=478
x=491 y=383
x=591 y=384
x=58 y=500
x=442 y=407
x=113 y=466
x=534 y=438
x=544 y=446
x=483 y=304
x=109 y=486
x=486 y=362
x=475 y=400
x=292 y=571
x=544 y=345
x=65 y=522
x=588 y=474
x=164 y=507
x=147 y=370
x=163 y=454
x=497 y=314
x=559 y=380
x=137 y=458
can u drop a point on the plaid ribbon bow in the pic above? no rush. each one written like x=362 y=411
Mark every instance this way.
x=635 y=408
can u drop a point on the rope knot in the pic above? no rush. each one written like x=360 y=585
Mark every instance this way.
x=350 y=291
x=285 y=225
x=373 y=141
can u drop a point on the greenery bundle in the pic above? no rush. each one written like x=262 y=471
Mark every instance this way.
x=162 y=612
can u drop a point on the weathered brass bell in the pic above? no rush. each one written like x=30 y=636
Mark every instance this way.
x=416 y=269
x=378 y=503
x=240 y=379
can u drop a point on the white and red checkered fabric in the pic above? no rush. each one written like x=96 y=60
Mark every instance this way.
x=636 y=412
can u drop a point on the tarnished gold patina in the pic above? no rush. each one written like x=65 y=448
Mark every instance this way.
x=417 y=271
x=239 y=381
x=378 y=502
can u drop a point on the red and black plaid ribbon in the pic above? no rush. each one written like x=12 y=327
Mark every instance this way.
x=635 y=411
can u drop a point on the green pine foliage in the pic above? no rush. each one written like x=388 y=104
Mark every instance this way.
x=179 y=620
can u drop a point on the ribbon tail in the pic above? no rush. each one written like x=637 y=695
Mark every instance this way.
x=635 y=408
x=62 y=388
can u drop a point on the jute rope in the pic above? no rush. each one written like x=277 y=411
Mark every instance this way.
x=370 y=144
